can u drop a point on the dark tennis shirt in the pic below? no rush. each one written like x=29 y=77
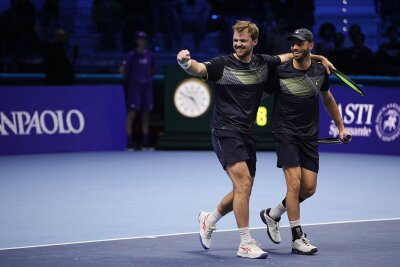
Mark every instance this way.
x=238 y=88
x=296 y=109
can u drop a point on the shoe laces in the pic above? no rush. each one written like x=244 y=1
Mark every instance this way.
x=208 y=232
x=304 y=240
x=273 y=225
x=254 y=242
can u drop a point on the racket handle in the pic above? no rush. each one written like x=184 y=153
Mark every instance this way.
x=346 y=138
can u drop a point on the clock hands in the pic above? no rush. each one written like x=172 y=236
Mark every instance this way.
x=191 y=98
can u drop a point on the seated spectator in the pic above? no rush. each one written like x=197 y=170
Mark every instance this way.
x=388 y=56
x=339 y=53
x=360 y=57
x=325 y=42
x=354 y=29
x=192 y=16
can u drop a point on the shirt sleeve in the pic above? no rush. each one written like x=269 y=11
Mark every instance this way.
x=325 y=84
x=272 y=61
x=215 y=68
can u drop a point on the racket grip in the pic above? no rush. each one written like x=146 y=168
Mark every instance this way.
x=347 y=138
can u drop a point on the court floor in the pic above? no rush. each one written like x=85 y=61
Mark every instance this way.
x=140 y=209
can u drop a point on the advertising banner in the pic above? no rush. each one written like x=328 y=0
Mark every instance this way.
x=45 y=119
x=373 y=120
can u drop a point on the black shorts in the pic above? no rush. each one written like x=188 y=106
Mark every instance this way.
x=232 y=147
x=295 y=151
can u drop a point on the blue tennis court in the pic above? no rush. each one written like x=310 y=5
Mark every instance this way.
x=140 y=209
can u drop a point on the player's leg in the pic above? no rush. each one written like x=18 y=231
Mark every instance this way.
x=133 y=106
x=308 y=184
x=300 y=245
x=145 y=128
x=293 y=178
x=208 y=220
x=242 y=185
x=147 y=97
x=309 y=168
x=237 y=154
x=130 y=117
x=287 y=153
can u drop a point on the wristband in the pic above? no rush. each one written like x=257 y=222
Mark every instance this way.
x=185 y=65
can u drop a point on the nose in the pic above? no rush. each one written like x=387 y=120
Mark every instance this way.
x=295 y=46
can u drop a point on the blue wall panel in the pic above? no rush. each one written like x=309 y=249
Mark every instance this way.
x=45 y=119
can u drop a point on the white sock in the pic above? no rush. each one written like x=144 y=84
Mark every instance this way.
x=277 y=211
x=294 y=223
x=214 y=217
x=244 y=234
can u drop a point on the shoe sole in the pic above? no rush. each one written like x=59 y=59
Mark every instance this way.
x=311 y=252
x=265 y=222
x=261 y=256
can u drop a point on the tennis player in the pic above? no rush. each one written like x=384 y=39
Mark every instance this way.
x=239 y=79
x=296 y=128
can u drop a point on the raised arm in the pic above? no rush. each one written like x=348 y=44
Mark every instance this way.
x=189 y=65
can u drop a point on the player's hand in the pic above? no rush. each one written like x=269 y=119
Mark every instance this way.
x=345 y=136
x=327 y=64
x=183 y=56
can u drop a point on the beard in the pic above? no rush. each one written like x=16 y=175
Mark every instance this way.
x=243 y=53
x=303 y=54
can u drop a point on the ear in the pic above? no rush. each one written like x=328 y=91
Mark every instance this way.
x=311 y=46
x=255 y=42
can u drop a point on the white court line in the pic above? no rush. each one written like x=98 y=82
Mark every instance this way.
x=188 y=233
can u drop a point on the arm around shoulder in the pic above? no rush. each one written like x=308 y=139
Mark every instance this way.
x=285 y=57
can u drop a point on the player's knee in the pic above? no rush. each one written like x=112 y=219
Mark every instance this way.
x=243 y=185
x=307 y=192
x=293 y=185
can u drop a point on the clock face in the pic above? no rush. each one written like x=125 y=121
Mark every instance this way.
x=192 y=98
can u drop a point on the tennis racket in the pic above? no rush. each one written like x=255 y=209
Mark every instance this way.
x=349 y=82
x=333 y=140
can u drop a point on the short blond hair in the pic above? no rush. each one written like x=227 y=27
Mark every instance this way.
x=251 y=28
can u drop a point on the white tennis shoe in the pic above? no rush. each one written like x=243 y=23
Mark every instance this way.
x=205 y=230
x=302 y=246
x=272 y=226
x=252 y=250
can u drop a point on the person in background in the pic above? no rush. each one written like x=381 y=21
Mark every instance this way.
x=58 y=67
x=138 y=69
x=388 y=56
x=361 y=60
